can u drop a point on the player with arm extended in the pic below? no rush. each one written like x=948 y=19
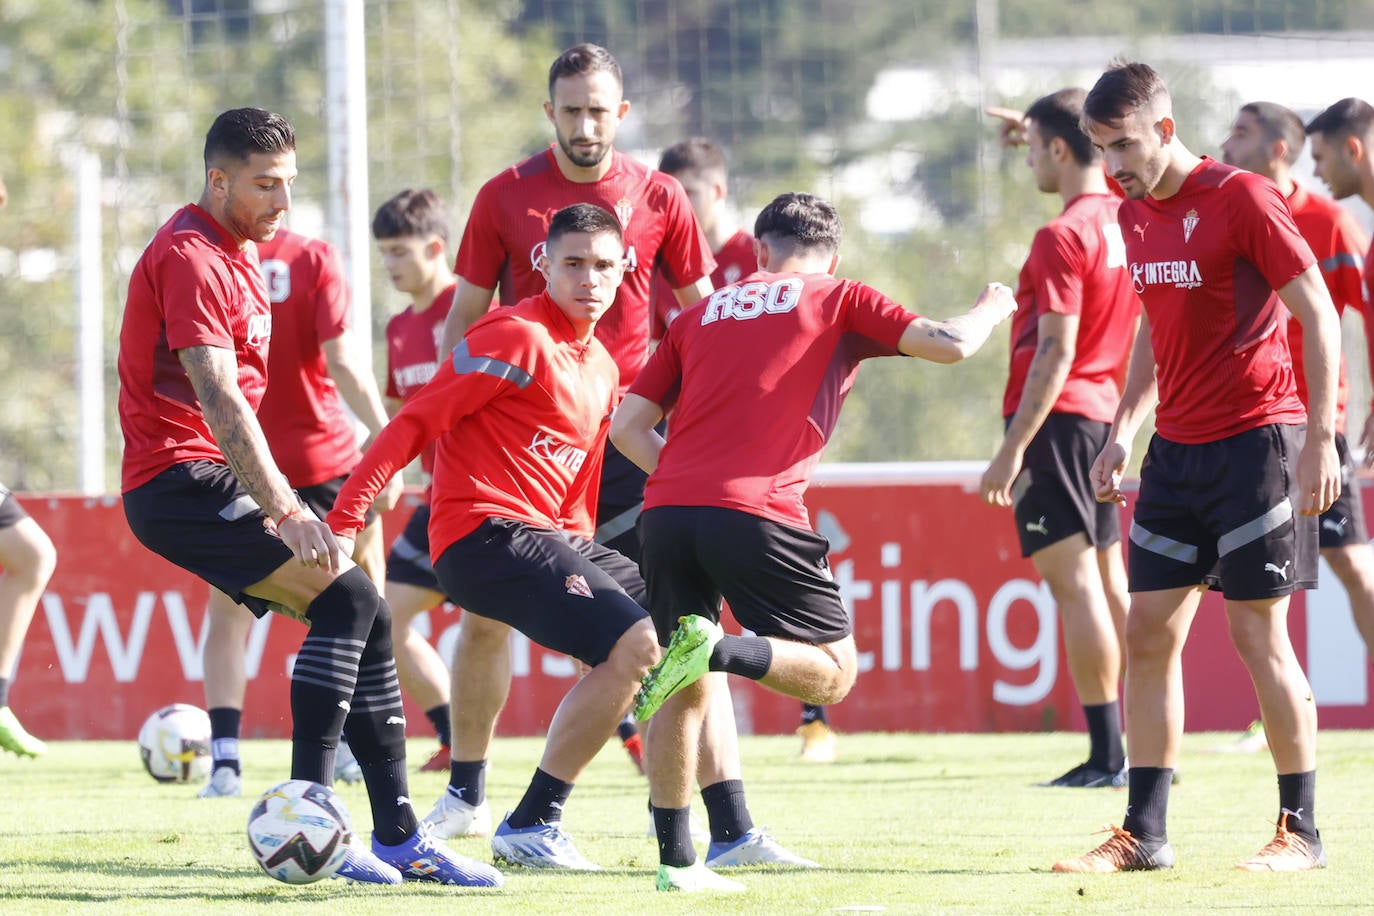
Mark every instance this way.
x=518 y=414
x=1069 y=342
x=699 y=166
x=310 y=366
x=1232 y=484
x=200 y=487
x=1267 y=138
x=724 y=516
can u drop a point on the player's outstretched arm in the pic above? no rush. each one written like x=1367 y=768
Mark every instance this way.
x=956 y=338
x=213 y=372
x=1011 y=128
x=359 y=390
x=633 y=432
x=1319 y=471
x=470 y=302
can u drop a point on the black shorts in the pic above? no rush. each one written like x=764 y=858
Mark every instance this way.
x=321 y=497
x=775 y=577
x=1224 y=514
x=408 y=560
x=1343 y=524
x=196 y=515
x=1052 y=497
x=619 y=504
x=11 y=513
x=565 y=593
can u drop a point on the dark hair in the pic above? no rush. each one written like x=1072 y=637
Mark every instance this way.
x=804 y=219
x=1347 y=118
x=1059 y=115
x=693 y=156
x=1278 y=123
x=585 y=218
x=1126 y=87
x=584 y=58
x=241 y=132
x=411 y=214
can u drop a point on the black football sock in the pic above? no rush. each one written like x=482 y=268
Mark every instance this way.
x=813 y=713
x=747 y=656
x=726 y=810
x=1147 y=805
x=543 y=801
x=467 y=780
x=326 y=672
x=224 y=737
x=673 y=827
x=627 y=728
x=1298 y=799
x=438 y=717
x=1104 y=736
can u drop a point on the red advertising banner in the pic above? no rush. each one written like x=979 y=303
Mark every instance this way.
x=955 y=630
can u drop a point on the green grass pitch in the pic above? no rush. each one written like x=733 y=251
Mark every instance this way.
x=903 y=823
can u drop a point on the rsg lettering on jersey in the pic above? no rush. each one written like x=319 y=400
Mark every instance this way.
x=750 y=300
x=1181 y=274
x=414 y=375
x=548 y=448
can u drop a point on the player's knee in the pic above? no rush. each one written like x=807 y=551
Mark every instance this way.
x=637 y=649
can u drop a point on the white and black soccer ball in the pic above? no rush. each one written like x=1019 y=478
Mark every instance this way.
x=174 y=743
x=299 y=832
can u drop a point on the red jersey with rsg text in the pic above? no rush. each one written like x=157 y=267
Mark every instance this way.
x=756 y=375
x=412 y=348
x=1338 y=244
x=520 y=411
x=192 y=287
x=311 y=436
x=1205 y=263
x=734 y=261
x=509 y=222
x=1077 y=266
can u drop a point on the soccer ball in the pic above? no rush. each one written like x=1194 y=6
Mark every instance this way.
x=174 y=743
x=299 y=832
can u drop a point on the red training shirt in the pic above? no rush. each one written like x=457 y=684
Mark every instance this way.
x=193 y=286
x=734 y=261
x=1077 y=266
x=758 y=372
x=509 y=223
x=520 y=411
x=1205 y=263
x=1337 y=243
x=312 y=437
x=412 y=348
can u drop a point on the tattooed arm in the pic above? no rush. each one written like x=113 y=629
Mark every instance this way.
x=953 y=339
x=1049 y=370
x=214 y=375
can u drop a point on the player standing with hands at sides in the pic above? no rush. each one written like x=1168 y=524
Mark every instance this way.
x=1266 y=139
x=1232 y=484
x=519 y=414
x=201 y=489
x=699 y=166
x=724 y=516
x=311 y=365
x=28 y=558
x=1075 y=320
x=502 y=243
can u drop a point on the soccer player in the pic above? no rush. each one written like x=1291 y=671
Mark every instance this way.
x=699 y=166
x=411 y=231
x=1069 y=340
x=201 y=489
x=1266 y=139
x=520 y=412
x=28 y=558
x=724 y=515
x=312 y=440
x=1232 y=483
x=501 y=245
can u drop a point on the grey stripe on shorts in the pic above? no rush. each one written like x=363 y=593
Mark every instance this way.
x=1255 y=529
x=1165 y=547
